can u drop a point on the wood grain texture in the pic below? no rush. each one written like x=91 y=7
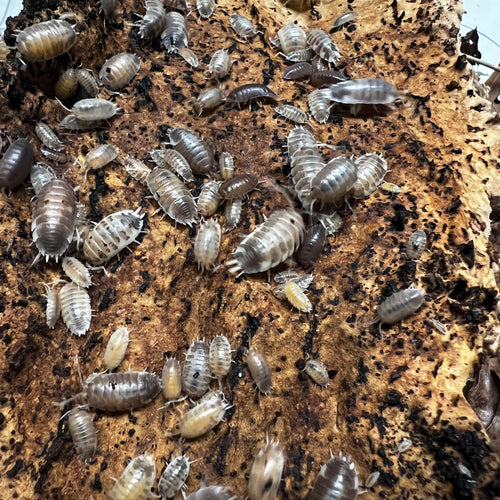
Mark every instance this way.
x=405 y=383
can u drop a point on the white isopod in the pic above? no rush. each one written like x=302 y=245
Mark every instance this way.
x=318 y=372
x=242 y=26
x=219 y=65
x=205 y=8
x=209 y=199
x=232 y=214
x=48 y=137
x=116 y=348
x=83 y=432
x=207 y=244
x=75 y=308
x=219 y=356
x=136 y=480
x=371 y=170
x=265 y=475
x=53 y=307
x=323 y=45
x=93 y=109
x=137 y=169
x=292 y=113
x=77 y=272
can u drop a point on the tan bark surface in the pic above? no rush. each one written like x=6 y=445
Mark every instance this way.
x=406 y=384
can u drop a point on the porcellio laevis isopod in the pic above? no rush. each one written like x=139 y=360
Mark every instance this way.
x=269 y=244
x=219 y=65
x=346 y=17
x=118 y=71
x=318 y=372
x=242 y=26
x=212 y=492
x=306 y=163
x=196 y=370
x=417 y=242
x=248 y=92
x=75 y=308
x=292 y=113
x=238 y=186
x=66 y=84
x=53 y=307
x=189 y=56
x=83 y=432
x=298 y=138
x=371 y=172
x=175 y=36
x=208 y=99
x=87 y=81
x=196 y=151
x=77 y=272
x=323 y=45
x=136 y=480
x=209 y=199
x=171 y=378
x=173 y=477
x=16 y=164
x=53 y=222
x=205 y=8
x=48 y=137
x=259 y=368
x=41 y=174
x=154 y=20
x=110 y=236
x=136 y=168
x=325 y=77
x=116 y=348
x=207 y=244
x=311 y=247
x=232 y=214
x=93 y=109
x=173 y=161
x=219 y=357
x=172 y=195
x=54 y=156
x=319 y=103
x=99 y=157
x=226 y=165
x=400 y=305
x=265 y=475
x=337 y=479
x=334 y=181
x=292 y=38
x=46 y=40
x=298 y=71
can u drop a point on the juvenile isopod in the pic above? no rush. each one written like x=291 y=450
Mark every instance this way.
x=154 y=20
x=296 y=296
x=238 y=186
x=94 y=109
x=118 y=71
x=298 y=71
x=324 y=77
x=116 y=348
x=346 y=17
x=110 y=236
x=319 y=103
x=292 y=38
x=136 y=168
x=337 y=479
x=175 y=36
x=99 y=157
x=83 y=432
x=207 y=244
x=292 y=113
x=331 y=222
x=171 y=379
x=248 y=92
x=205 y=8
x=390 y=188
x=189 y=56
x=172 y=195
x=173 y=477
x=136 y=480
x=404 y=445
x=372 y=479
x=323 y=45
x=311 y=247
x=87 y=81
x=269 y=244
x=208 y=99
x=371 y=169
x=54 y=156
x=48 y=137
x=232 y=214
x=242 y=26
x=265 y=475
x=259 y=368
x=282 y=277
x=209 y=199
x=196 y=151
x=53 y=307
x=77 y=272
x=318 y=372
x=82 y=225
x=440 y=327
x=219 y=357
x=196 y=370
x=46 y=40
x=302 y=55
x=41 y=174
x=75 y=308
x=53 y=222
x=219 y=65
x=400 y=305
x=16 y=164
x=417 y=242
x=226 y=165
x=66 y=84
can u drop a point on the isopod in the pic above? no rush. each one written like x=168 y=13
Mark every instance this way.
x=346 y=17
x=295 y=295
x=404 y=445
x=94 y=109
x=440 y=327
x=175 y=162
x=400 y=305
x=48 y=137
x=242 y=26
x=46 y=40
x=259 y=369
x=116 y=348
x=189 y=56
x=298 y=138
x=136 y=480
x=66 y=85
x=300 y=5
x=82 y=225
x=306 y=164
x=417 y=242
x=55 y=156
x=209 y=199
x=172 y=195
x=238 y=186
x=16 y=164
x=71 y=122
x=319 y=103
x=371 y=169
x=337 y=479
x=334 y=181
x=53 y=222
x=173 y=477
x=219 y=356
x=284 y=276
x=207 y=244
x=219 y=65
x=298 y=71
x=390 y=188
x=232 y=214
x=311 y=247
x=265 y=475
x=331 y=222
x=226 y=165
x=323 y=45
x=175 y=36
x=372 y=479
x=75 y=308
x=136 y=168
x=212 y=492
x=269 y=244
x=292 y=38
x=154 y=20
x=302 y=55
x=171 y=378
x=205 y=8
x=248 y=92
x=107 y=7
x=208 y=99
x=318 y=372
x=292 y=113
x=99 y=157
x=118 y=71
x=41 y=174
x=196 y=371
x=76 y=272
x=53 y=307
x=324 y=77
x=196 y=151
x=83 y=432
x=110 y=236
x=87 y=81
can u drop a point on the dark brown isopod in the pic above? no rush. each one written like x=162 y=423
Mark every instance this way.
x=238 y=186
x=250 y=91
x=325 y=77
x=310 y=249
x=298 y=71
x=16 y=164
x=196 y=151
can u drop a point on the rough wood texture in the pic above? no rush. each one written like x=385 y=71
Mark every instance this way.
x=405 y=383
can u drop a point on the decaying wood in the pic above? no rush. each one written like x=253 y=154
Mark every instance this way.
x=405 y=383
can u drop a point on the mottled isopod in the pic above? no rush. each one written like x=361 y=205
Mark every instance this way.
x=219 y=357
x=154 y=20
x=209 y=199
x=94 y=109
x=83 y=432
x=110 y=236
x=248 y=92
x=205 y=8
x=46 y=40
x=66 y=84
x=265 y=475
x=53 y=307
x=172 y=195
x=371 y=169
x=196 y=151
x=232 y=214
x=41 y=174
x=242 y=26
x=269 y=244
x=323 y=45
x=136 y=168
x=219 y=65
x=238 y=186
x=298 y=71
x=318 y=372
x=226 y=165
x=306 y=164
x=292 y=38
x=75 y=308
x=311 y=247
x=400 y=305
x=173 y=161
x=116 y=348
x=319 y=103
x=48 y=137
x=346 y=17
x=118 y=71
x=16 y=164
x=175 y=36
x=171 y=378
x=292 y=113
x=196 y=371
x=259 y=369
x=207 y=244
x=208 y=99
x=173 y=477
x=136 y=480
x=417 y=242
x=86 y=79
x=77 y=272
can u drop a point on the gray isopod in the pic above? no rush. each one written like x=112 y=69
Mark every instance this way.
x=196 y=151
x=196 y=370
x=113 y=234
x=77 y=272
x=16 y=164
x=209 y=199
x=266 y=472
x=323 y=45
x=306 y=164
x=371 y=169
x=219 y=356
x=207 y=244
x=208 y=99
x=86 y=79
x=41 y=174
x=172 y=195
x=292 y=113
x=136 y=168
x=319 y=103
x=325 y=77
x=417 y=242
x=238 y=186
x=94 y=109
x=400 y=305
x=173 y=477
x=154 y=20
x=136 y=480
x=53 y=307
x=175 y=36
x=75 y=308
x=83 y=432
x=66 y=84
x=189 y=56
x=71 y=122
x=205 y=8
x=173 y=161
x=53 y=222
x=248 y=92
x=298 y=138
x=242 y=26
x=55 y=156
x=260 y=369
x=118 y=71
x=311 y=247
x=219 y=65
x=298 y=71
x=232 y=214
x=48 y=137
x=269 y=244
